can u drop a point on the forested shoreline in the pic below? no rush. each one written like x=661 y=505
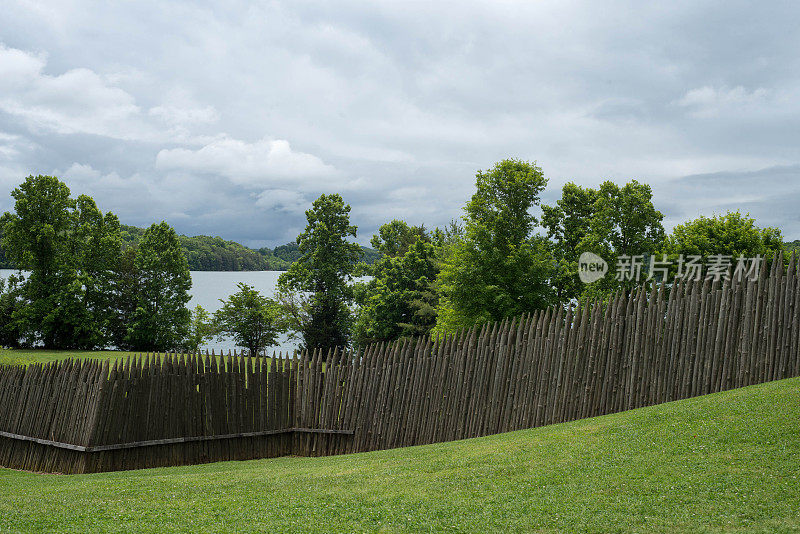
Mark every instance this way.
x=212 y=253
x=92 y=282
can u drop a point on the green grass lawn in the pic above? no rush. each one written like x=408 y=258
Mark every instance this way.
x=719 y=463
x=29 y=356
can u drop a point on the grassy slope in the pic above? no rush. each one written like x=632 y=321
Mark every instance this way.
x=722 y=462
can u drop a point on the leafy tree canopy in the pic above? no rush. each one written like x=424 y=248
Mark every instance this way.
x=207 y=253
x=253 y=320
x=499 y=268
x=400 y=299
x=610 y=221
x=396 y=237
x=323 y=272
x=732 y=234
x=161 y=319
x=201 y=329
x=51 y=235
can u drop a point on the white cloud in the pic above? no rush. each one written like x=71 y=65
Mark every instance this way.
x=81 y=101
x=260 y=164
x=12 y=147
x=18 y=68
x=77 y=101
x=122 y=195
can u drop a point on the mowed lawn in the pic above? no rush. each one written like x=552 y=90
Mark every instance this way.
x=29 y=356
x=718 y=463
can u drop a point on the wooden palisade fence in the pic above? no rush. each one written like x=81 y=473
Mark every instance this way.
x=556 y=365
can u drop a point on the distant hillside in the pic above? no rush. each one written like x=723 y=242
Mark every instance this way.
x=290 y=253
x=206 y=253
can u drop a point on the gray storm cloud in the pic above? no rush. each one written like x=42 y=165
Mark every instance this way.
x=231 y=122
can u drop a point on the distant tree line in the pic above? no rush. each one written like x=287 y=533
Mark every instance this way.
x=86 y=282
x=95 y=283
x=206 y=253
x=507 y=255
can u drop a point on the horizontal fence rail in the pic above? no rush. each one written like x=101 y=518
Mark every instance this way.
x=651 y=346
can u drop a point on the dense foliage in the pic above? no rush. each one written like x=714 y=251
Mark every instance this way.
x=82 y=290
x=10 y=303
x=792 y=246
x=60 y=241
x=611 y=221
x=732 y=234
x=93 y=283
x=251 y=319
x=201 y=329
x=206 y=253
x=498 y=264
x=399 y=299
x=161 y=318
x=316 y=290
x=500 y=268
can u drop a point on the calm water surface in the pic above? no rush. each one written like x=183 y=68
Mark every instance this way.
x=210 y=286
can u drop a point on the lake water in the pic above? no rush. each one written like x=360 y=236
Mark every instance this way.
x=210 y=286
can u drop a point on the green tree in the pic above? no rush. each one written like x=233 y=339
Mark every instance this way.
x=124 y=296
x=610 y=221
x=499 y=268
x=625 y=222
x=253 y=320
x=97 y=246
x=40 y=237
x=732 y=234
x=161 y=318
x=201 y=329
x=567 y=224
x=323 y=272
x=396 y=237
x=400 y=299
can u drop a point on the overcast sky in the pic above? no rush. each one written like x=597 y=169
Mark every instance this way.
x=231 y=121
